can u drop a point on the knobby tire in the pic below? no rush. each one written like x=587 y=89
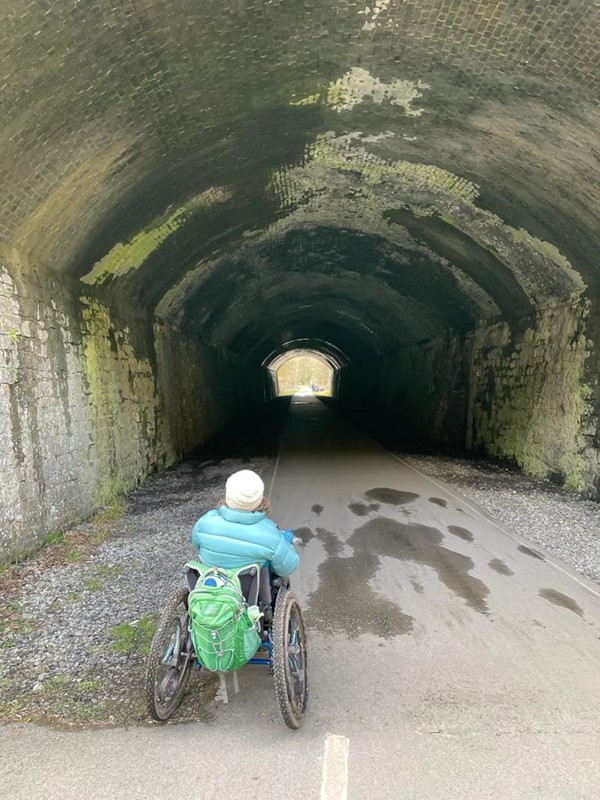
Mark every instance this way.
x=164 y=710
x=292 y=708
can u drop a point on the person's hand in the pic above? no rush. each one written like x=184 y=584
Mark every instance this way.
x=288 y=535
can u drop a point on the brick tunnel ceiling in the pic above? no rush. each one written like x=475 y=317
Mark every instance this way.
x=366 y=174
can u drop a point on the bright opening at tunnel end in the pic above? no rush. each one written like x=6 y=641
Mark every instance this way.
x=302 y=372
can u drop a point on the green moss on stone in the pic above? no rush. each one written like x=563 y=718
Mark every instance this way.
x=344 y=157
x=341 y=180
x=310 y=100
x=125 y=257
x=531 y=399
x=124 y=401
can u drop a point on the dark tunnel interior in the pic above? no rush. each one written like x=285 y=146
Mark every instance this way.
x=193 y=190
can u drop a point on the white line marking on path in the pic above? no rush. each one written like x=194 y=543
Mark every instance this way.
x=281 y=444
x=502 y=528
x=334 y=784
x=275 y=468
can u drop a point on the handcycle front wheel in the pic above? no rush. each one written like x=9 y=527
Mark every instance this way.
x=170 y=659
x=290 y=673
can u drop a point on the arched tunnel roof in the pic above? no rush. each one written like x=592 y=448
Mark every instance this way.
x=323 y=351
x=362 y=174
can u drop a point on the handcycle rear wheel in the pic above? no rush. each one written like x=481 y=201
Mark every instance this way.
x=170 y=659
x=290 y=659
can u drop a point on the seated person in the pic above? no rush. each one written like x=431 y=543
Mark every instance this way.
x=239 y=532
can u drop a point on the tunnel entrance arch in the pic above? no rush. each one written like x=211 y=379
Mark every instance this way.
x=304 y=364
x=302 y=371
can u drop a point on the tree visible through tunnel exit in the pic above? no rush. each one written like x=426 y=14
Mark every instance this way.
x=303 y=371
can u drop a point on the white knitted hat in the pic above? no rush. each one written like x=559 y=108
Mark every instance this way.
x=244 y=490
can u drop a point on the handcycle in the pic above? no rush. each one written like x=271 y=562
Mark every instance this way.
x=282 y=644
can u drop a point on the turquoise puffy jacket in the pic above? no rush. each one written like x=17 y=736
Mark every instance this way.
x=228 y=538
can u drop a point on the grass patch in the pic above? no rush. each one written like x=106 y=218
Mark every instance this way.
x=101 y=574
x=56 y=685
x=94 y=685
x=103 y=521
x=55 y=537
x=12 y=620
x=134 y=637
x=75 y=545
x=69 y=712
x=93 y=585
x=65 y=703
x=111 y=513
x=104 y=571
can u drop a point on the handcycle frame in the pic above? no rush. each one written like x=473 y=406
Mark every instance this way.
x=282 y=632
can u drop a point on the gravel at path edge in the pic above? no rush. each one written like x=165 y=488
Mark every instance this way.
x=564 y=525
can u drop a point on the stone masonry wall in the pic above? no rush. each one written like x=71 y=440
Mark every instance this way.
x=202 y=388
x=81 y=415
x=80 y=418
x=419 y=393
x=525 y=392
x=528 y=397
x=591 y=419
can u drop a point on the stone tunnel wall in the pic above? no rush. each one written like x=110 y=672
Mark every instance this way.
x=416 y=395
x=591 y=391
x=83 y=413
x=528 y=400
x=526 y=392
x=201 y=388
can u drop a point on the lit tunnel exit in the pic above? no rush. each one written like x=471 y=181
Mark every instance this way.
x=304 y=369
x=302 y=372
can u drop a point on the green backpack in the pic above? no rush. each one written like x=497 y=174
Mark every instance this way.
x=224 y=636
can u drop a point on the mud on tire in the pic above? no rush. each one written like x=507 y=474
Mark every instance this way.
x=290 y=673
x=170 y=659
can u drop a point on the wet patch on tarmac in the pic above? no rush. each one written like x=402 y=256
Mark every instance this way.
x=331 y=543
x=317 y=509
x=438 y=501
x=462 y=533
x=305 y=534
x=362 y=509
x=392 y=497
x=560 y=599
x=529 y=552
x=500 y=567
x=345 y=603
x=422 y=544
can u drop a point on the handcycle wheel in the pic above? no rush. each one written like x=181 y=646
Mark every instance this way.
x=289 y=659
x=170 y=659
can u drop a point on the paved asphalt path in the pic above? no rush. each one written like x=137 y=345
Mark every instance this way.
x=447 y=659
